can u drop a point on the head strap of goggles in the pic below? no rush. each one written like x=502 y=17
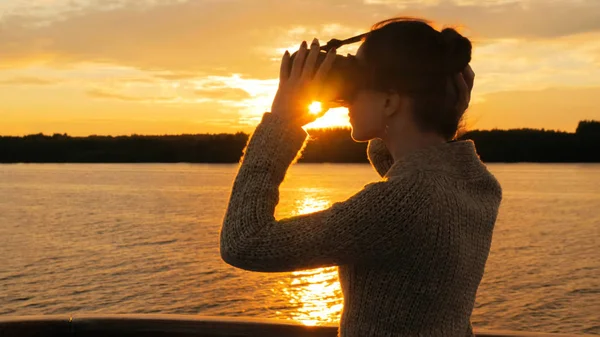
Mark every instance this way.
x=335 y=43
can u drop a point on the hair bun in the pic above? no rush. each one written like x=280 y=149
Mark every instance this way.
x=457 y=50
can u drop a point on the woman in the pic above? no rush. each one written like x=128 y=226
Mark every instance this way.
x=411 y=248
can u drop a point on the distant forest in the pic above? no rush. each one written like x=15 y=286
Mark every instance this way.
x=325 y=145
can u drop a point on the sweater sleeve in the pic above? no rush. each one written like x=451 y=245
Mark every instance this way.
x=368 y=225
x=379 y=156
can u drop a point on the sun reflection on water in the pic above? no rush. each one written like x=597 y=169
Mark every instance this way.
x=310 y=204
x=315 y=294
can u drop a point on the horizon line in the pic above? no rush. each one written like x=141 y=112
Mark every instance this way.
x=345 y=128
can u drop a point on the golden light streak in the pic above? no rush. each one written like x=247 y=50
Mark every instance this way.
x=316 y=294
x=336 y=117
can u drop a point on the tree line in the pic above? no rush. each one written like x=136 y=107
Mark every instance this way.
x=325 y=145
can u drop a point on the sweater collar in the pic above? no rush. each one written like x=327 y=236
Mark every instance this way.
x=454 y=158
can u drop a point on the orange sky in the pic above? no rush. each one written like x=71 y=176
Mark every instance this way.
x=175 y=66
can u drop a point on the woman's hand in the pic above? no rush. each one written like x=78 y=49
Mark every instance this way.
x=298 y=87
x=464 y=83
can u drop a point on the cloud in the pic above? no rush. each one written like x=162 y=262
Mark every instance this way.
x=105 y=94
x=28 y=81
x=203 y=37
x=174 y=76
x=230 y=94
x=511 y=64
x=232 y=91
x=198 y=37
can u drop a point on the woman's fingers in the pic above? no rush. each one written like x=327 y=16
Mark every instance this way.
x=469 y=76
x=462 y=92
x=311 y=60
x=324 y=68
x=299 y=61
x=284 y=71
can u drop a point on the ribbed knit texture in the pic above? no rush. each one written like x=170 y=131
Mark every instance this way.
x=411 y=248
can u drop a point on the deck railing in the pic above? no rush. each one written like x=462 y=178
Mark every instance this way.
x=181 y=326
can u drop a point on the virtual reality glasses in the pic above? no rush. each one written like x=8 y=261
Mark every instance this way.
x=345 y=76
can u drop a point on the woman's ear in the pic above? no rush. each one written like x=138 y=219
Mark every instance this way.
x=393 y=103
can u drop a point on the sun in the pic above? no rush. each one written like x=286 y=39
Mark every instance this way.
x=315 y=108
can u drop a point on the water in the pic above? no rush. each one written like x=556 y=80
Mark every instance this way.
x=144 y=239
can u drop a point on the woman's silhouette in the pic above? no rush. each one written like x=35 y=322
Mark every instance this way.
x=412 y=247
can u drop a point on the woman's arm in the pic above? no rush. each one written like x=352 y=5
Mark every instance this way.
x=367 y=225
x=379 y=156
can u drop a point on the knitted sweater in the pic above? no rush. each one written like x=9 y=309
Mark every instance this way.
x=411 y=248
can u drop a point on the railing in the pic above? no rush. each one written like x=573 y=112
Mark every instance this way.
x=180 y=326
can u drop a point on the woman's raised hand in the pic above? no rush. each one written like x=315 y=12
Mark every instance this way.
x=464 y=83
x=300 y=85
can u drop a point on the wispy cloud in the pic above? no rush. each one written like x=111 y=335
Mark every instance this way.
x=232 y=94
x=105 y=94
x=513 y=64
x=28 y=81
x=226 y=37
x=559 y=108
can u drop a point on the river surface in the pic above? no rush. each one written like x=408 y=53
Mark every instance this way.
x=143 y=238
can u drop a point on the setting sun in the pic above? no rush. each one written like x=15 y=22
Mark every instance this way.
x=315 y=108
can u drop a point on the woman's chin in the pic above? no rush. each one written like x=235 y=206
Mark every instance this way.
x=358 y=136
